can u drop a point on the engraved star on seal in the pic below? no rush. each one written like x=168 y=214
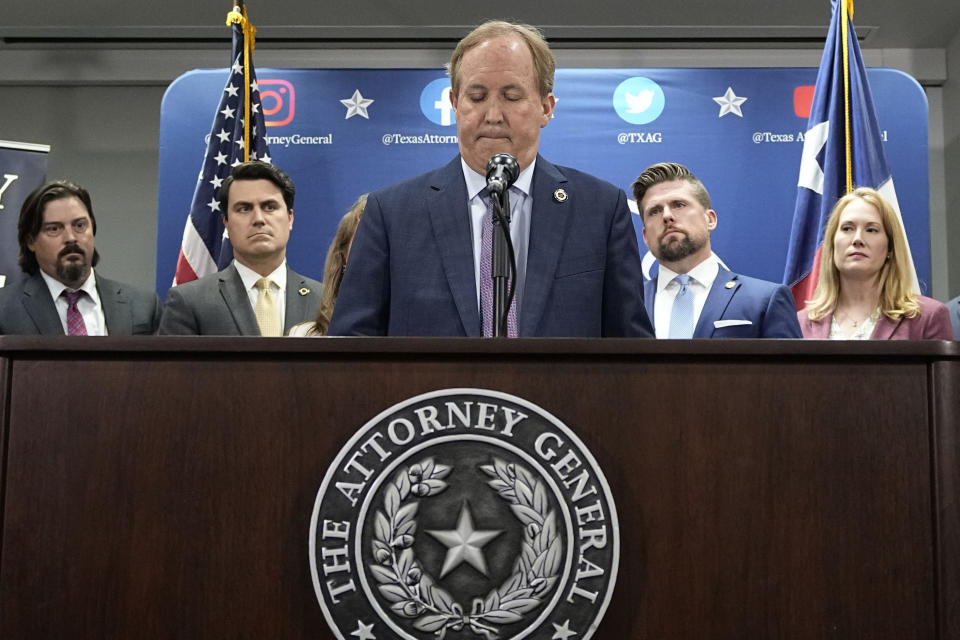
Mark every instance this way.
x=464 y=543
x=364 y=631
x=356 y=105
x=562 y=631
x=730 y=103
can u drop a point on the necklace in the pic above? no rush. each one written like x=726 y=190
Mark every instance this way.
x=859 y=329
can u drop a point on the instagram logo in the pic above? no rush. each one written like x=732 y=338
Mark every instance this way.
x=278 y=100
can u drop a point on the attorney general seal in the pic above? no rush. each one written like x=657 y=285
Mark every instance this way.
x=464 y=513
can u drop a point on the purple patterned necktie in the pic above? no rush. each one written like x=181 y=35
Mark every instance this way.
x=75 y=324
x=486 y=278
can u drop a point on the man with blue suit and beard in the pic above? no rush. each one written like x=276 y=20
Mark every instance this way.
x=417 y=262
x=693 y=296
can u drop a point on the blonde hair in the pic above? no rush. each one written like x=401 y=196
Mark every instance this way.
x=335 y=265
x=544 y=64
x=896 y=297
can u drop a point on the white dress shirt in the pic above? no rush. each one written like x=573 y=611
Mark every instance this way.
x=278 y=286
x=521 y=210
x=89 y=305
x=701 y=280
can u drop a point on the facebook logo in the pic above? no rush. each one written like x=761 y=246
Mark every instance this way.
x=435 y=102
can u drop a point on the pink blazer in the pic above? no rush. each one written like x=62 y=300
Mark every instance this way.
x=933 y=323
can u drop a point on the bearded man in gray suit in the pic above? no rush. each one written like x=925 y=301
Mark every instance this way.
x=258 y=294
x=62 y=294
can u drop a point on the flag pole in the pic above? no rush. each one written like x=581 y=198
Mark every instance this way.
x=238 y=15
x=846 y=10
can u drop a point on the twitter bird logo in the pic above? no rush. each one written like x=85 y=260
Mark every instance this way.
x=639 y=100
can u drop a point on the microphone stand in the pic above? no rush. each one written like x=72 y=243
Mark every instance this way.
x=500 y=261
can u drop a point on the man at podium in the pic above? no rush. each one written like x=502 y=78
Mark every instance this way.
x=419 y=261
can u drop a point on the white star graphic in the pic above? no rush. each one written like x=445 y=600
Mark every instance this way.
x=562 y=632
x=255 y=107
x=356 y=105
x=216 y=182
x=265 y=158
x=464 y=544
x=221 y=159
x=237 y=67
x=237 y=162
x=254 y=86
x=214 y=204
x=239 y=142
x=811 y=174
x=364 y=631
x=729 y=103
x=224 y=135
x=227 y=112
x=232 y=90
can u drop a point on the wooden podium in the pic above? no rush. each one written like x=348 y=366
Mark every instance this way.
x=163 y=487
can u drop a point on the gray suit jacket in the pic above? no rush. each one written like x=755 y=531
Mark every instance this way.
x=28 y=309
x=218 y=305
x=954 y=307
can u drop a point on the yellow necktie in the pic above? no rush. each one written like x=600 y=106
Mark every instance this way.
x=268 y=316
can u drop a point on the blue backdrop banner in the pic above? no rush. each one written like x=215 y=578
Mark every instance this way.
x=23 y=168
x=341 y=133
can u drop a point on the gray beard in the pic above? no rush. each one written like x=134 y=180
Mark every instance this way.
x=72 y=273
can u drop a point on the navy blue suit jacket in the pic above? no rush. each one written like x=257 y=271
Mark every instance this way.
x=411 y=267
x=750 y=308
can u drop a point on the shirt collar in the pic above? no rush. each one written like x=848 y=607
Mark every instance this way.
x=56 y=287
x=477 y=183
x=703 y=274
x=250 y=277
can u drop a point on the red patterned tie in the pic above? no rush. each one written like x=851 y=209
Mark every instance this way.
x=75 y=323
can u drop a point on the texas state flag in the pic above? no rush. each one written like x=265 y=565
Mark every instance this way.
x=842 y=150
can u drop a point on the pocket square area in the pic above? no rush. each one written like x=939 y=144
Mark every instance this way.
x=720 y=324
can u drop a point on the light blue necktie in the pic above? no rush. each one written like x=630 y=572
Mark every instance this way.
x=681 y=318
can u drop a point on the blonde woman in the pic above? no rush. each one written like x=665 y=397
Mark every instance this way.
x=333 y=270
x=864 y=290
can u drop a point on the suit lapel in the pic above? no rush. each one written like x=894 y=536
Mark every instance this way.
x=296 y=306
x=885 y=327
x=116 y=308
x=717 y=300
x=449 y=214
x=238 y=302
x=649 y=297
x=40 y=307
x=548 y=229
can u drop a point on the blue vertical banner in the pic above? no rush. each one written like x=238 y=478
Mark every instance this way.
x=23 y=168
x=340 y=133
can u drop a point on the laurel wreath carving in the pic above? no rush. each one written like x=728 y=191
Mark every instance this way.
x=414 y=594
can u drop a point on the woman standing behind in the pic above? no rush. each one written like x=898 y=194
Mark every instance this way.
x=864 y=290
x=333 y=270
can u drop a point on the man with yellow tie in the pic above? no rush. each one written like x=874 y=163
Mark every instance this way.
x=258 y=294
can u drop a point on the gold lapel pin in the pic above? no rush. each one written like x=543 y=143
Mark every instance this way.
x=560 y=195
x=731 y=284
x=303 y=291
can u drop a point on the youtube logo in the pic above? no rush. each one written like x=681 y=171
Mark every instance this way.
x=803 y=100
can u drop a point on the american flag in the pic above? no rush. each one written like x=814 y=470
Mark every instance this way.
x=205 y=248
x=842 y=150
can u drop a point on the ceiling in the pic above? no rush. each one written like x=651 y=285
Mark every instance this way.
x=881 y=24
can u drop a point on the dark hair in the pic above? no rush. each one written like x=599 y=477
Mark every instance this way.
x=31 y=218
x=257 y=170
x=668 y=172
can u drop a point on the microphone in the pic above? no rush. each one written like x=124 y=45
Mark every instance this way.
x=502 y=171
